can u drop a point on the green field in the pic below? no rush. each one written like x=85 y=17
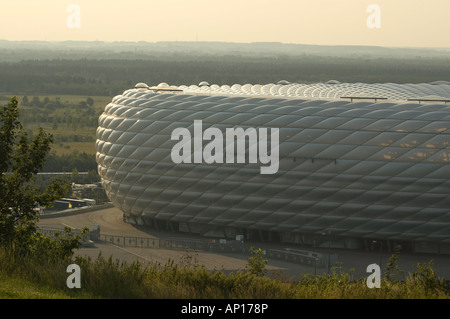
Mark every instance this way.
x=16 y=288
x=72 y=123
x=69 y=147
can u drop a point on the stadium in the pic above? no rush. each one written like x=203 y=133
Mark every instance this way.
x=350 y=163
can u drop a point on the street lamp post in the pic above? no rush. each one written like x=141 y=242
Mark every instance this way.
x=329 y=250
x=315 y=266
x=381 y=248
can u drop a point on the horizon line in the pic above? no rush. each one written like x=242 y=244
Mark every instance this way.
x=230 y=42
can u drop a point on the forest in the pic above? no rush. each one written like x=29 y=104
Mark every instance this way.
x=111 y=77
x=107 y=71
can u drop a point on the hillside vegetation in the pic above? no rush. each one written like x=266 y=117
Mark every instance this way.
x=108 y=278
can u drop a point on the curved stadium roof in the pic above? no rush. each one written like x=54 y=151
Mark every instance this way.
x=329 y=90
x=357 y=169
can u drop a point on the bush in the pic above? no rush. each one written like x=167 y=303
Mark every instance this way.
x=255 y=263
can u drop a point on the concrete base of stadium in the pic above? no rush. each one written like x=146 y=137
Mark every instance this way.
x=322 y=240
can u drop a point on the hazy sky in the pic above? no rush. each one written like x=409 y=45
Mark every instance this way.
x=411 y=23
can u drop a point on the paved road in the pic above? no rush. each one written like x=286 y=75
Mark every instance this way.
x=111 y=223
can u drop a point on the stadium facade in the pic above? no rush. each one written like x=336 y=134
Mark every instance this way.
x=349 y=170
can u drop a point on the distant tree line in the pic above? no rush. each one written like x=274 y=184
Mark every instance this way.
x=82 y=162
x=109 y=77
x=53 y=112
x=52 y=104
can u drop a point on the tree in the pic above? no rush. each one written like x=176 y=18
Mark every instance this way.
x=255 y=263
x=21 y=158
x=25 y=101
x=89 y=101
x=426 y=277
x=393 y=272
x=36 y=101
x=75 y=175
x=91 y=177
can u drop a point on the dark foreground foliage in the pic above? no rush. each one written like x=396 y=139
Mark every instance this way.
x=111 y=278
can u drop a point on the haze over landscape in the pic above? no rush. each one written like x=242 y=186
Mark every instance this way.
x=402 y=23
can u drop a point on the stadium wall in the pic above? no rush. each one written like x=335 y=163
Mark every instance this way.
x=348 y=172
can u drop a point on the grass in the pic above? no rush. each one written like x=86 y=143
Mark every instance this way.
x=64 y=148
x=105 y=278
x=17 y=288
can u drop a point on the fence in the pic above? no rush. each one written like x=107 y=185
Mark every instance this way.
x=304 y=257
x=52 y=231
x=181 y=244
